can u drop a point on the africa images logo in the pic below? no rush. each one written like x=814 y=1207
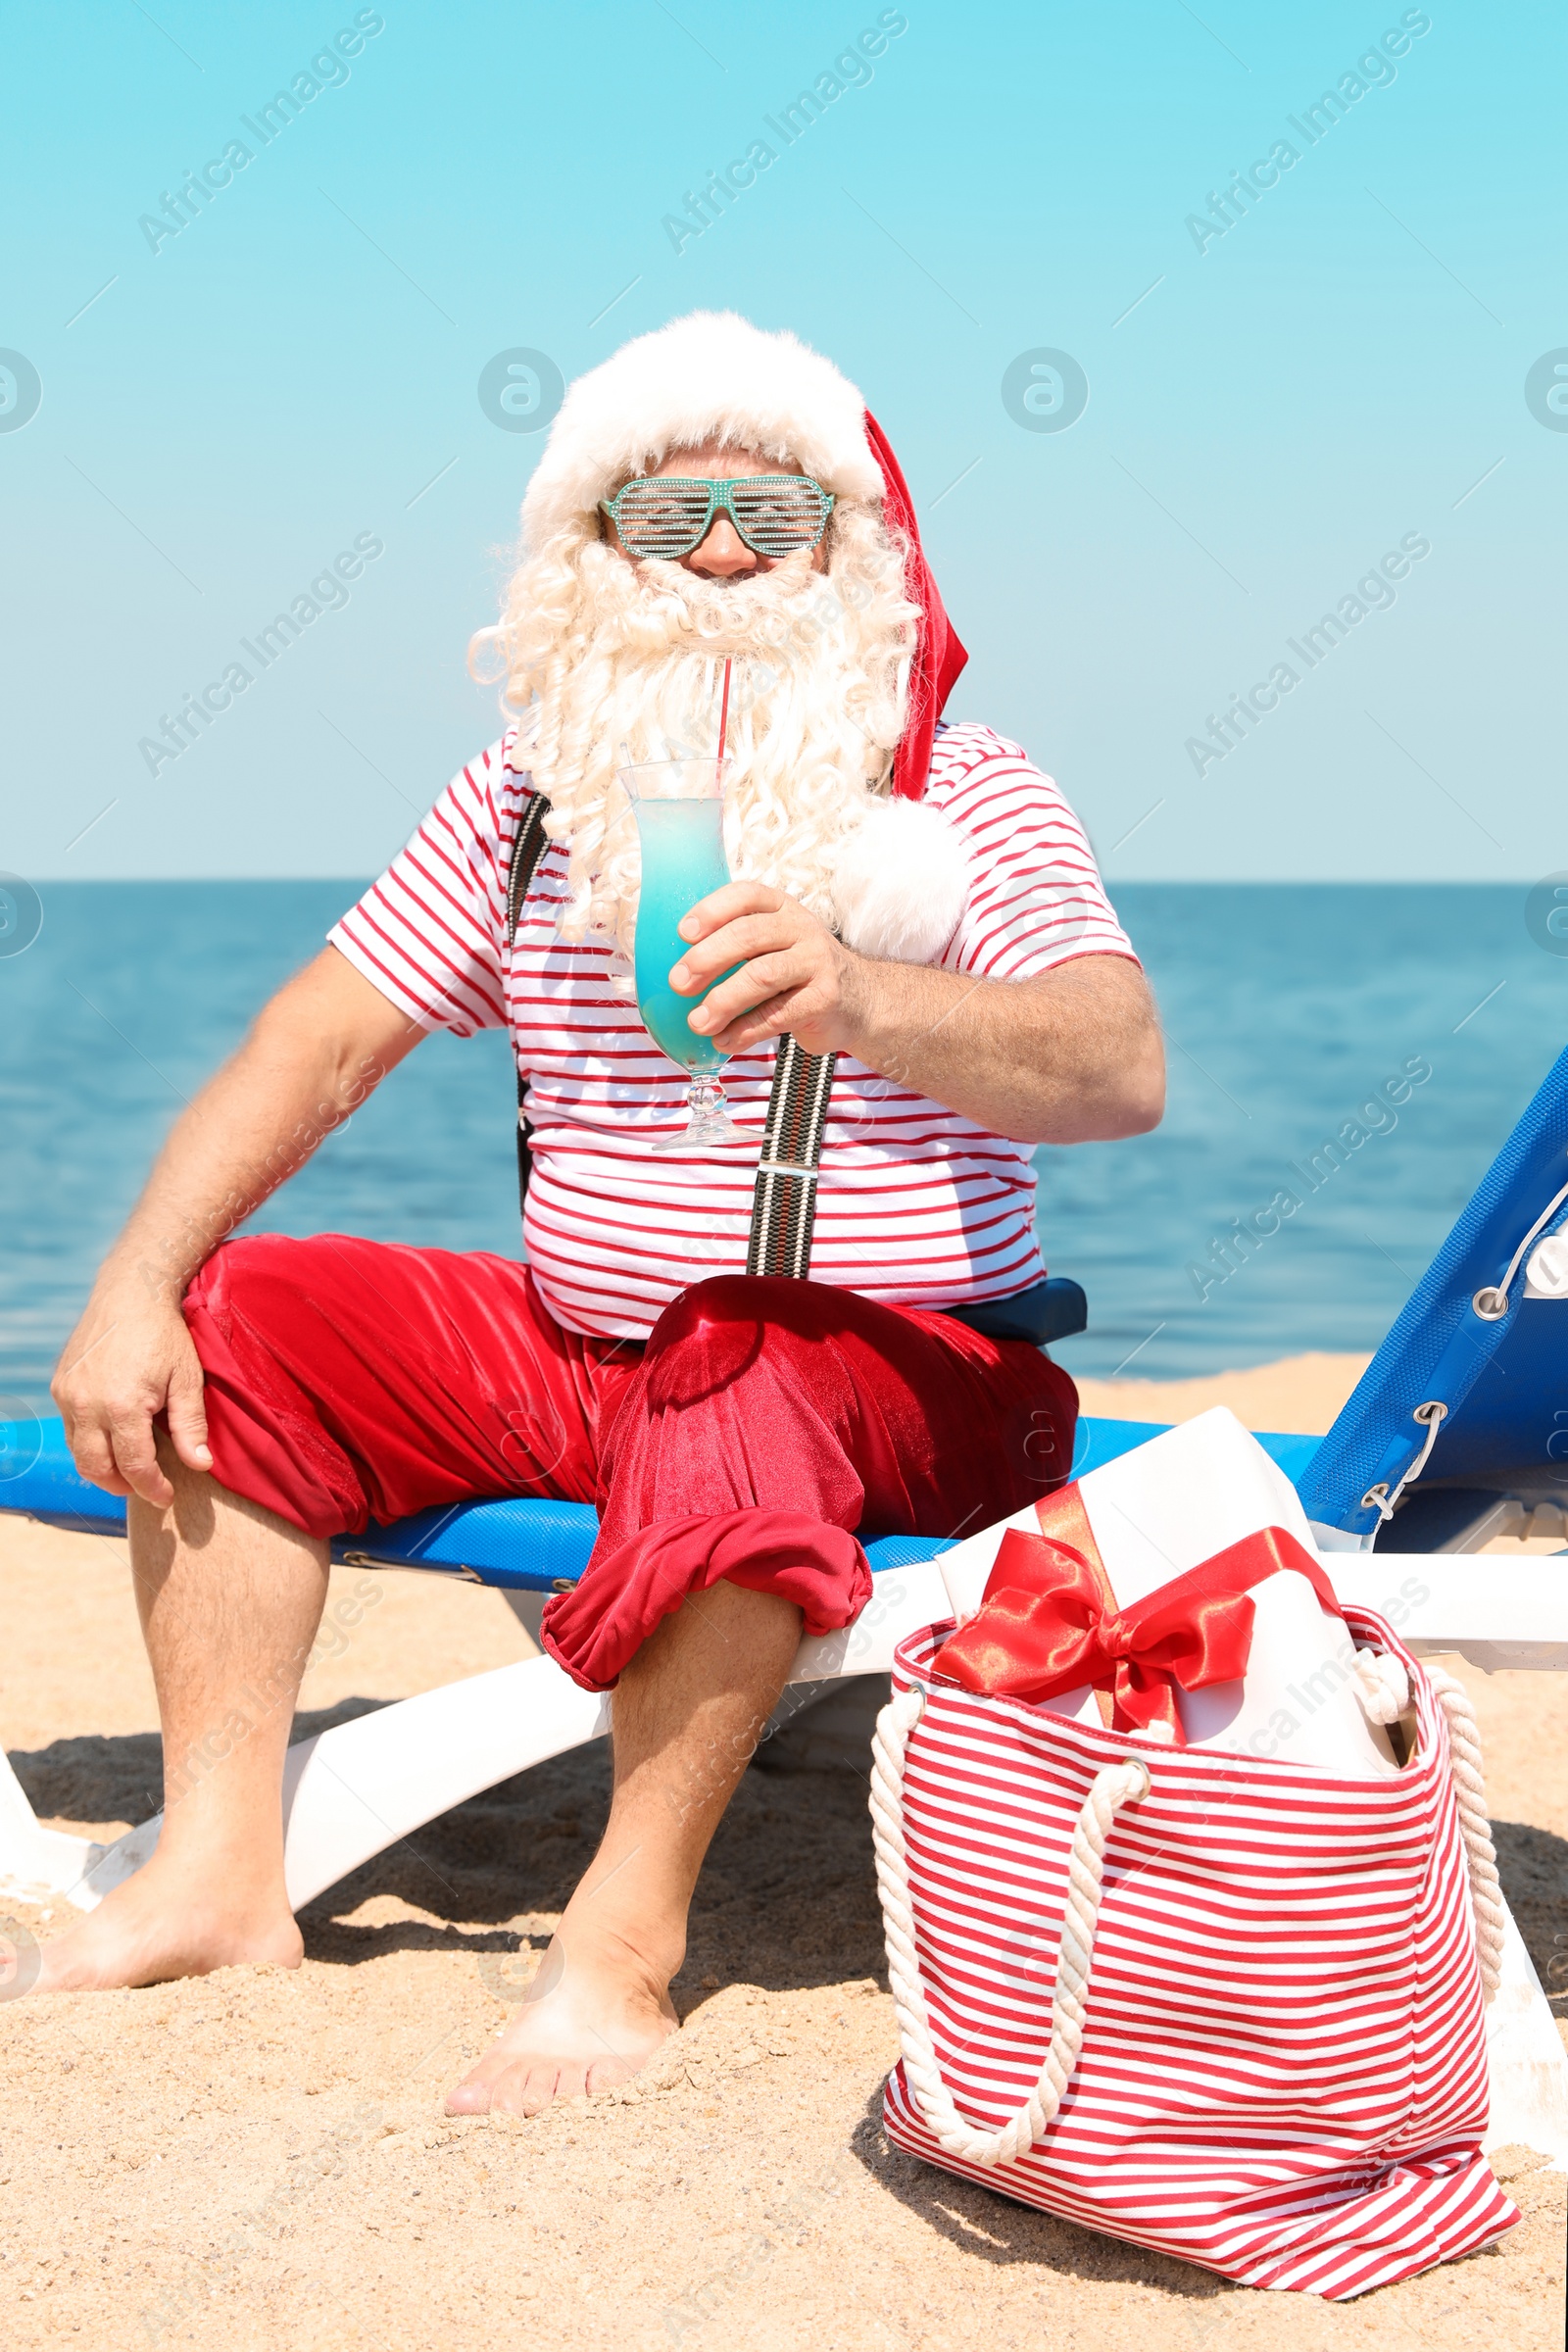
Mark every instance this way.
x=327 y=69
x=1373 y=593
x=1373 y=70
x=1546 y=390
x=327 y=593
x=851 y=70
x=21 y=391
x=1547 y=913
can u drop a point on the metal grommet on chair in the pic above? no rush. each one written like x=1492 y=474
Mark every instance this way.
x=1376 y=1499
x=1491 y=1301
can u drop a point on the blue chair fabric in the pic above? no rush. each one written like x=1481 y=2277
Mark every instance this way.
x=519 y=1542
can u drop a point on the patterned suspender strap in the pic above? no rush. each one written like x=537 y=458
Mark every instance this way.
x=784 y=1202
x=527 y=852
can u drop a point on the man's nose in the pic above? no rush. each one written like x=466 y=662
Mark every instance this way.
x=724 y=553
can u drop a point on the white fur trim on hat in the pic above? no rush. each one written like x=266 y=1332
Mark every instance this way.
x=900 y=883
x=710 y=377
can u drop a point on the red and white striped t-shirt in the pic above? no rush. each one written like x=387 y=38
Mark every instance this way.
x=916 y=1204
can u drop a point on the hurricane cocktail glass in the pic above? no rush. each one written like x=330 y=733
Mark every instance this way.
x=679 y=806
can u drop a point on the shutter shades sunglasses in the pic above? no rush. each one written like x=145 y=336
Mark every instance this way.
x=668 y=514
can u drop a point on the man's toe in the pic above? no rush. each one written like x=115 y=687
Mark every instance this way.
x=475 y=2093
x=606 y=2073
x=544 y=2080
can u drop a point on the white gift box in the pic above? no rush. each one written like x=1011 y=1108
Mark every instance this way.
x=1165 y=1508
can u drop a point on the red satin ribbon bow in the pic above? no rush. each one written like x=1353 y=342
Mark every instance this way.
x=1049 y=1623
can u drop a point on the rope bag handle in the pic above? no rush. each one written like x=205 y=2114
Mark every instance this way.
x=1481 y=1855
x=1385 y=1694
x=1113 y=1786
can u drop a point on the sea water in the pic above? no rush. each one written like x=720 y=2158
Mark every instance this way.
x=683 y=860
x=1285 y=1007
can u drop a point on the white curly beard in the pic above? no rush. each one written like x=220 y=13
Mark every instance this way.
x=628 y=660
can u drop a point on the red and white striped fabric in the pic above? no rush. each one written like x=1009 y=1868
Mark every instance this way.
x=916 y=1206
x=1283 y=2072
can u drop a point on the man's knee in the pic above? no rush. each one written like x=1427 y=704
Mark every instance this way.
x=719 y=1330
x=248 y=1276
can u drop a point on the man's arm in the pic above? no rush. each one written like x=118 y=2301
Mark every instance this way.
x=1071 y=1057
x=323 y=1044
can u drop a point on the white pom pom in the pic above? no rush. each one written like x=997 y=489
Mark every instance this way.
x=900 y=883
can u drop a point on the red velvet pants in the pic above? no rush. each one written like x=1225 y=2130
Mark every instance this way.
x=762 y=1423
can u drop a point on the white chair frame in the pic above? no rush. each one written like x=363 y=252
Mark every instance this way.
x=352 y=1791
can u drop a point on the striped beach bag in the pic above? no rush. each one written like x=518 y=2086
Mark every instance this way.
x=1224 y=2004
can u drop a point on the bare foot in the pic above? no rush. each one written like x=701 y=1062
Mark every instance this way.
x=164 y=1923
x=585 y=2024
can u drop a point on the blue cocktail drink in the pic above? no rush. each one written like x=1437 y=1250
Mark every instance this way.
x=683 y=860
x=680 y=826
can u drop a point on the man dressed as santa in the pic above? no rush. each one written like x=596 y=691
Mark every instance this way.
x=740 y=1354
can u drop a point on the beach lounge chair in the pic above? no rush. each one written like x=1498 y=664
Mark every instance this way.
x=354 y=1791
x=1458 y=1429
x=1476 y=1336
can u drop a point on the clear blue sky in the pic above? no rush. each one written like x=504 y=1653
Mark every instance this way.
x=1343 y=369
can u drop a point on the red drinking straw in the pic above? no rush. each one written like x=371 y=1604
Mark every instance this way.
x=723 y=729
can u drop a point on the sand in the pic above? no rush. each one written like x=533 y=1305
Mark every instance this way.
x=1301 y=1393
x=259 y=2158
